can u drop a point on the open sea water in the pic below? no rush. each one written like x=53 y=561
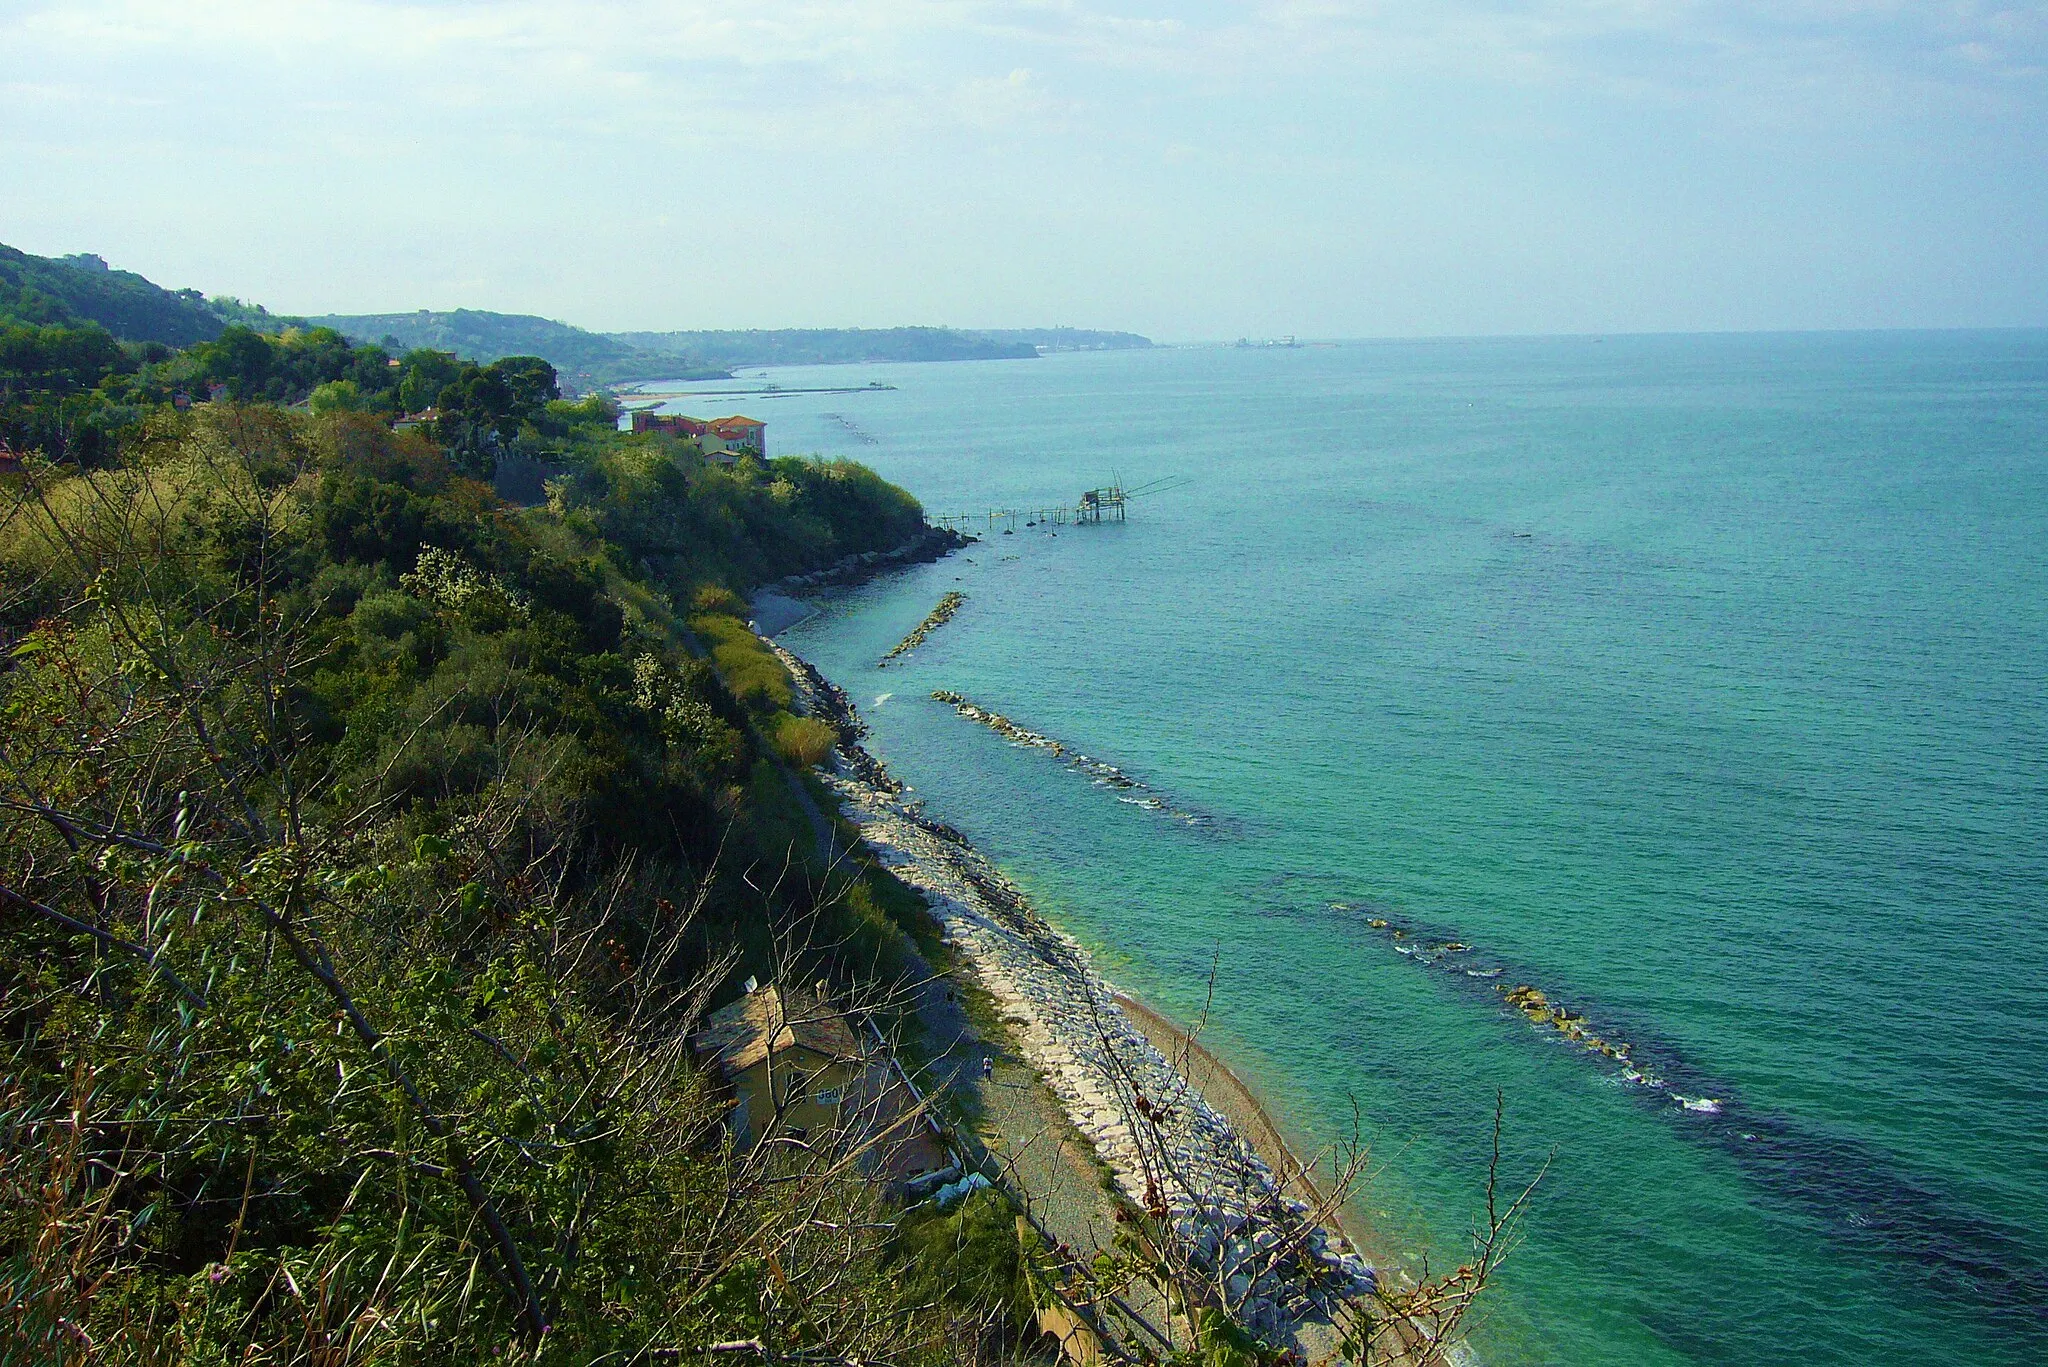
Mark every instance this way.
x=1699 y=682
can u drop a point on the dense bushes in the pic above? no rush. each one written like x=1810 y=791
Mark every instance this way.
x=750 y=669
x=372 y=846
x=74 y=392
x=691 y=523
x=54 y=359
x=971 y=1254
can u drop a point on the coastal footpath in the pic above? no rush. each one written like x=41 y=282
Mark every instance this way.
x=1171 y=1153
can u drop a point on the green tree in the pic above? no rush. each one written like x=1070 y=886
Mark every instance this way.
x=425 y=374
x=240 y=358
x=338 y=396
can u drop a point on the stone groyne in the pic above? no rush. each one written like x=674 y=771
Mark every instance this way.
x=1133 y=791
x=934 y=619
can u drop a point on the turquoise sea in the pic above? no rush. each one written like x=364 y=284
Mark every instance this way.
x=1701 y=682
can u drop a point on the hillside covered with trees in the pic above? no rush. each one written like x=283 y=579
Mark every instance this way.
x=584 y=359
x=45 y=289
x=373 y=846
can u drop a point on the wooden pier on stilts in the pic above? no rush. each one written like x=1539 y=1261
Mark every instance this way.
x=1095 y=507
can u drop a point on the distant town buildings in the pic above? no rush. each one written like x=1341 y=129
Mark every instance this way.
x=729 y=438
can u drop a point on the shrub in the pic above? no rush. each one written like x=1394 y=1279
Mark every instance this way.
x=717 y=598
x=803 y=740
x=369 y=1042
x=969 y=1256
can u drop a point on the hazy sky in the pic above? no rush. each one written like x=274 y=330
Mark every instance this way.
x=1187 y=170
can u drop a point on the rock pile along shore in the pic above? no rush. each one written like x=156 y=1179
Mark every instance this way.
x=1169 y=1150
x=935 y=619
x=933 y=543
x=1102 y=771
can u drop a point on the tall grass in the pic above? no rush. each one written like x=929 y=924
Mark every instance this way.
x=751 y=672
x=803 y=741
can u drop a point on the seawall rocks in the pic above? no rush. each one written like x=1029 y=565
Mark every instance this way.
x=935 y=619
x=933 y=543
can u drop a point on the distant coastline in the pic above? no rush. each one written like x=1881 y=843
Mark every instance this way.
x=589 y=359
x=736 y=349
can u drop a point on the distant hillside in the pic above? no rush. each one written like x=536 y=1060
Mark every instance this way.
x=1067 y=339
x=829 y=346
x=585 y=359
x=83 y=288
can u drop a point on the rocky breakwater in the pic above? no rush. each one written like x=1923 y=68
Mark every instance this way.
x=1541 y=1009
x=933 y=543
x=1172 y=1154
x=934 y=619
x=1106 y=775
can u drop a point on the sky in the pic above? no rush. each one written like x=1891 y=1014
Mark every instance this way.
x=1191 y=171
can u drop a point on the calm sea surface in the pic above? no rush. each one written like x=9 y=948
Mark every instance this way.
x=1700 y=682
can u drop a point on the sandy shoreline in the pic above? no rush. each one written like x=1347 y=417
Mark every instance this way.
x=1223 y=1088
x=1170 y=1149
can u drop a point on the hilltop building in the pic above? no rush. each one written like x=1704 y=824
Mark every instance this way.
x=728 y=437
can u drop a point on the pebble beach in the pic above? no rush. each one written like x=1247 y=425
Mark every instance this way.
x=1224 y=1201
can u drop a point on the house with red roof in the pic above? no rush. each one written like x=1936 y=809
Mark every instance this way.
x=741 y=434
x=722 y=439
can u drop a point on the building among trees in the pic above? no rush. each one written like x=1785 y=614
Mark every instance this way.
x=732 y=437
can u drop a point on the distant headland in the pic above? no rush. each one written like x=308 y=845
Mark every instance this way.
x=589 y=359
x=130 y=305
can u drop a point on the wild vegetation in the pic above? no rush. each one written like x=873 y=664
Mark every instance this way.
x=373 y=846
x=48 y=289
